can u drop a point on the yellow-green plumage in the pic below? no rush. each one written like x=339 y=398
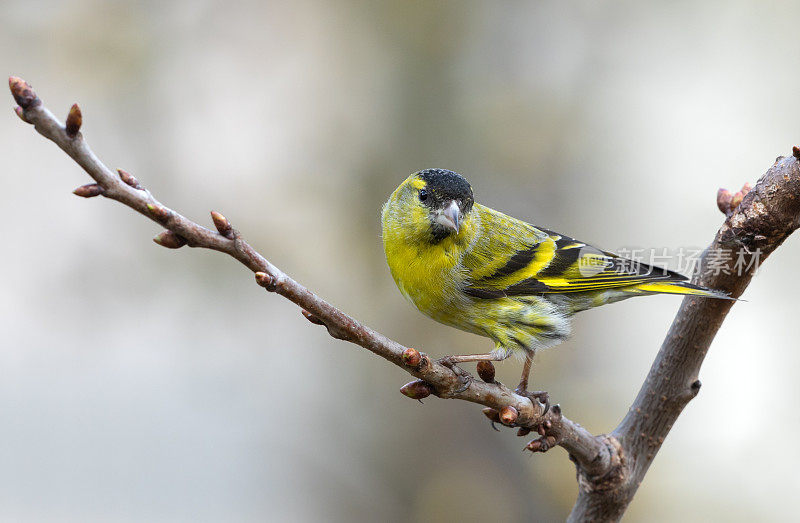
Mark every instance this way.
x=499 y=277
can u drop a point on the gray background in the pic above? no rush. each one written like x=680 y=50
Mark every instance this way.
x=141 y=383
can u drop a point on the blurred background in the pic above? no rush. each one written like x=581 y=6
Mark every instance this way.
x=139 y=383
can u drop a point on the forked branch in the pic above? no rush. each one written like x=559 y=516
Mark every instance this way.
x=610 y=467
x=758 y=221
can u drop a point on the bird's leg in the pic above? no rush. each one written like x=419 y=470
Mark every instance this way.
x=451 y=363
x=522 y=389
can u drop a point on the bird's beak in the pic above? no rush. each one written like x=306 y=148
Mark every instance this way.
x=450 y=217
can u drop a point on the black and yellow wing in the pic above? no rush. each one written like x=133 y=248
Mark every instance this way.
x=522 y=260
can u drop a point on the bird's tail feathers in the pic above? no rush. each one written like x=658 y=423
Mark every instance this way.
x=682 y=287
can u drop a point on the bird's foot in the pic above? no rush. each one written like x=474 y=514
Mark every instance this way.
x=465 y=377
x=539 y=395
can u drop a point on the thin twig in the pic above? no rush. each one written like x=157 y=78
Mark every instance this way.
x=591 y=452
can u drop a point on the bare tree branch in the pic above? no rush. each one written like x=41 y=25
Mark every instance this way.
x=554 y=428
x=610 y=467
x=758 y=221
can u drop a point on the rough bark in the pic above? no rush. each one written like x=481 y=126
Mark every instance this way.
x=766 y=216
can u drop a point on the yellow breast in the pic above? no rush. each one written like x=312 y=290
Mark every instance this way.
x=429 y=273
x=426 y=274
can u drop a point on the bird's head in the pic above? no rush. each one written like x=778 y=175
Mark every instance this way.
x=434 y=204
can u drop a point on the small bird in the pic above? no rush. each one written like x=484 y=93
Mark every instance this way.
x=476 y=269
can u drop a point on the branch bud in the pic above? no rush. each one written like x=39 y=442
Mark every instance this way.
x=508 y=415
x=128 y=178
x=544 y=427
x=411 y=357
x=23 y=92
x=74 y=120
x=746 y=188
x=416 y=390
x=724 y=197
x=265 y=280
x=89 y=190
x=736 y=200
x=534 y=446
x=170 y=240
x=21 y=113
x=307 y=315
x=222 y=224
x=486 y=371
x=158 y=212
x=492 y=414
x=542 y=444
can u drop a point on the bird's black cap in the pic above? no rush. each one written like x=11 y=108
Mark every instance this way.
x=448 y=185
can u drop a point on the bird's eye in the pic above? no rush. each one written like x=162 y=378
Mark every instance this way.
x=423 y=195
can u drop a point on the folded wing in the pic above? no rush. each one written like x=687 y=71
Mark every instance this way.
x=535 y=261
